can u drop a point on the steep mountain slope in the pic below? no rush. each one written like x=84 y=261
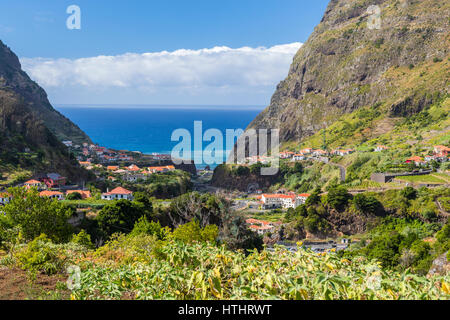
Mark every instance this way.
x=27 y=143
x=398 y=69
x=13 y=78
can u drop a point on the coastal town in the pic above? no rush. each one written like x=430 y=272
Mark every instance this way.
x=118 y=167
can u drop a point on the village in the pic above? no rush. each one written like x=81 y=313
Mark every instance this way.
x=120 y=167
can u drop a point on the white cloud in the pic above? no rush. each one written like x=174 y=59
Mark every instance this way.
x=192 y=71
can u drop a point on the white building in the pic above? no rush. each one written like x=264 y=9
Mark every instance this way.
x=52 y=195
x=298 y=157
x=273 y=201
x=118 y=193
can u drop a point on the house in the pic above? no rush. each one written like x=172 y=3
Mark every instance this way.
x=5 y=198
x=303 y=196
x=286 y=201
x=342 y=152
x=54 y=180
x=319 y=153
x=306 y=151
x=33 y=184
x=298 y=157
x=381 y=148
x=261 y=227
x=85 y=164
x=133 y=168
x=84 y=194
x=112 y=168
x=118 y=193
x=441 y=150
x=160 y=169
x=134 y=177
x=418 y=161
x=286 y=155
x=261 y=230
x=52 y=194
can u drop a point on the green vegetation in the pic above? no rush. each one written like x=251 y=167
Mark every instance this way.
x=142 y=267
x=398 y=244
x=36 y=215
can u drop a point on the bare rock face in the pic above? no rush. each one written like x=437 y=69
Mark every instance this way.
x=347 y=64
x=14 y=79
x=440 y=266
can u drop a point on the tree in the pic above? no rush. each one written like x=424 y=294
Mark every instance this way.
x=242 y=171
x=120 y=216
x=338 y=197
x=206 y=209
x=83 y=239
x=366 y=203
x=409 y=193
x=314 y=198
x=144 y=226
x=298 y=168
x=39 y=215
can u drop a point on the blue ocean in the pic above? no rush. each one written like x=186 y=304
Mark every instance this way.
x=149 y=129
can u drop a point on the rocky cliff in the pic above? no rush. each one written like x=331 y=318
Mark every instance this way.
x=30 y=129
x=397 y=62
x=15 y=80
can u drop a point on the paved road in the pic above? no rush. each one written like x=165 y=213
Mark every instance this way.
x=342 y=169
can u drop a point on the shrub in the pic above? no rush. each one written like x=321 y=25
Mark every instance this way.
x=366 y=203
x=37 y=215
x=409 y=193
x=74 y=196
x=191 y=232
x=143 y=226
x=83 y=239
x=40 y=256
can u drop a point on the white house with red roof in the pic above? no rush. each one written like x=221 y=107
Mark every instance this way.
x=260 y=227
x=118 y=193
x=286 y=154
x=33 y=184
x=286 y=201
x=52 y=195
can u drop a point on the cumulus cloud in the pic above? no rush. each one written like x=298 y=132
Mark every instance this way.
x=219 y=68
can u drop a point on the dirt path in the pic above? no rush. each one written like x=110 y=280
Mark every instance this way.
x=15 y=285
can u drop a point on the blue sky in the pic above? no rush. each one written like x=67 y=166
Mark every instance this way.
x=37 y=29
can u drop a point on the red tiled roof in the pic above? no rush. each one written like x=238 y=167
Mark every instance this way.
x=415 y=159
x=47 y=193
x=84 y=194
x=304 y=195
x=119 y=190
x=33 y=182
